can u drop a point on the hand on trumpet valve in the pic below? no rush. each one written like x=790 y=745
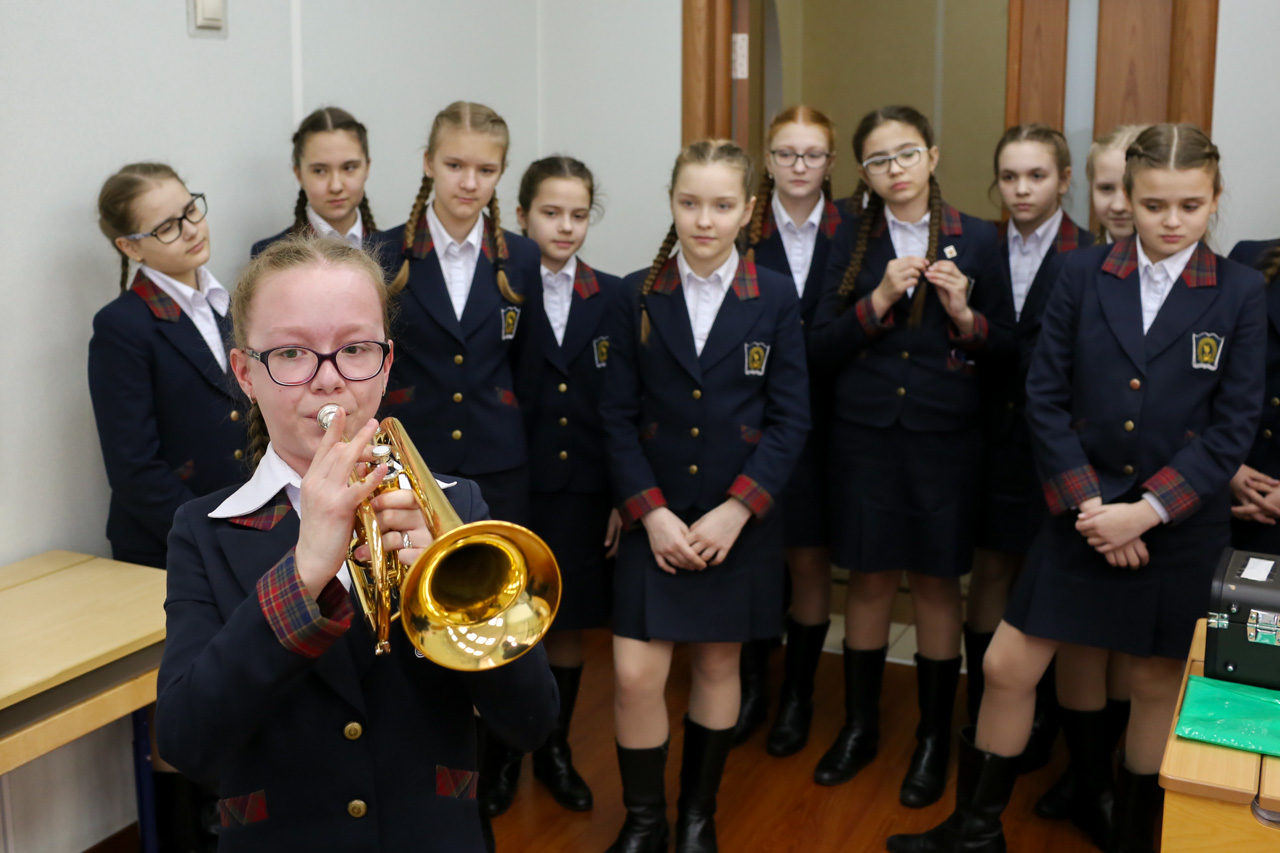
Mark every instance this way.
x=404 y=530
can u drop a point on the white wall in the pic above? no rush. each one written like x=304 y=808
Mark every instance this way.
x=86 y=88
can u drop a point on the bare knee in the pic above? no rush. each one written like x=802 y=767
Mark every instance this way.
x=1006 y=667
x=712 y=663
x=1154 y=679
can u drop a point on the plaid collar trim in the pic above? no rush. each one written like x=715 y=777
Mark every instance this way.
x=827 y=225
x=951 y=226
x=584 y=281
x=668 y=277
x=161 y=304
x=267 y=517
x=1201 y=269
x=1068 y=237
x=423 y=244
x=746 y=284
x=1122 y=259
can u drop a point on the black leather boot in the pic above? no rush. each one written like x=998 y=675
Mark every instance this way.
x=975 y=650
x=1044 y=726
x=1138 y=799
x=499 y=775
x=983 y=789
x=858 y=740
x=1089 y=807
x=790 y=730
x=177 y=819
x=705 y=752
x=1056 y=802
x=926 y=778
x=753 y=668
x=643 y=793
x=486 y=834
x=553 y=761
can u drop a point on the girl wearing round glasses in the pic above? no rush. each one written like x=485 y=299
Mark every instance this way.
x=915 y=300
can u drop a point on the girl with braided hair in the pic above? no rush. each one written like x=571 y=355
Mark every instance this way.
x=705 y=409
x=460 y=285
x=1143 y=397
x=916 y=301
x=331 y=163
x=790 y=233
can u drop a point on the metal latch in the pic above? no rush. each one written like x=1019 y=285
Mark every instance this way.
x=1218 y=620
x=1262 y=627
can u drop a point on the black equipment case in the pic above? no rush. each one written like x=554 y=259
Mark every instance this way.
x=1241 y=643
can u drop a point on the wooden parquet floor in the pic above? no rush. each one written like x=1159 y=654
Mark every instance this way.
x=767 y=804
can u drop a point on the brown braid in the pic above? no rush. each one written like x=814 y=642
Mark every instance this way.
x=500 y=240
x=659 y=260
x=259 y=438
x=1269 y=264
x=826 y=189
x=764 y=199
x=366 y=215
x=300 y=213
x=873 y=211
x=931 y=254
x=415 y=213
x=124 y=272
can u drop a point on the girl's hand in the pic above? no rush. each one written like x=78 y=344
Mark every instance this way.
x=399 y=516
x=1251 y=487
x=713 y=535
x=612 y=534
x=668 y=539
x=1132 y=555
x=900 y=275
x=953 y=290
x=1112 y=526
x=1251 y=512
x=329 y=500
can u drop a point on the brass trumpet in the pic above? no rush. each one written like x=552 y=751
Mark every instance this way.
x=481 y=595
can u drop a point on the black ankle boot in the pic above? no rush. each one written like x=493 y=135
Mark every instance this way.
x=983 y=788
x=1044 y=726
x=553 y=761
x=859 y=739
x=643 y=793
x=790 y=730
x=753 y=668
x=177 y=813
x=926 y=778
x=1138 y=799
x=1089 y=807
x=705 y=752
x=1056 y=802
x=975 y=650
x=499 y=775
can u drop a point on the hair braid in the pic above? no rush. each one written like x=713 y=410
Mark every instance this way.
x=1269 y=264
x=827 y=192
x=258 y=436
x=124 y=271
x=764 y=200
x=410 y=228
x=300 y=212
x=931 y=253
x=366 y=216
x=659 y=261
x=873 y=211
x=500 y=241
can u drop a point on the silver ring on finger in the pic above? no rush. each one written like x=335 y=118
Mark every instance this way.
x=405 y=537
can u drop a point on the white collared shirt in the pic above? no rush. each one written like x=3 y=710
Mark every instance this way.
x=1156 y=280
x=354 y=235
x=199 y=305
x=703 y=296
x=457 y=260
x=557 y=296
x=910 y=239
x=799 y=240
x=1026 y=256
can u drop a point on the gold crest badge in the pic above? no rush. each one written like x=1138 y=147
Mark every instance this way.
x=757 y=354
x=1206 y=350
x=510 y=320
x=600 y=347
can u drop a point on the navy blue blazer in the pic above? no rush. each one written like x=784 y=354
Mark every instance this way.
x=686 y=430
x=771 y=254
x=453 y=383
x=923 y=378
x=559 y=387
x=1173 y=412
x=291 y=741
x=382 y=246
x=1264 y=455
x=170 y=422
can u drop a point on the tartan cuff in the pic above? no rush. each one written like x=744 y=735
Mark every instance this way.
x=1071 y=488
x=302 y=624
x=974 y=339
x=866 y=314
x=634 y=507
x=1174 y=493
x=752 y=494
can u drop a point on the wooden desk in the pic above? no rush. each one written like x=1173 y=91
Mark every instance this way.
x=1210 y=789
x=80 y=645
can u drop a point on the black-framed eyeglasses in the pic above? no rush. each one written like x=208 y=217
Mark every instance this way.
x=906 y=158
x=171 y=229
x=294 y=365
x=812 y=159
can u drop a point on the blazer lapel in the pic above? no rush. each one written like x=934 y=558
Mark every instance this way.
x=483 y=302
x=1122 y=302
x=669 y=317
x=1192 y=295
x=427 y=287
x=737 y=315
x=585 y=313
x=180 y=330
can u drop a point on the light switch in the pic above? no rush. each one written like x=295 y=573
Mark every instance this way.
x=210 y=14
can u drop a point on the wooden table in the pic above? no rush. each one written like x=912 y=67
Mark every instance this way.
x=1210 y=789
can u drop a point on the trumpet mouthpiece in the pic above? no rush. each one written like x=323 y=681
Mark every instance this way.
x=327 y=413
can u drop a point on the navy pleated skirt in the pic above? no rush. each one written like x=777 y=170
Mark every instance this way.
x=573 y=525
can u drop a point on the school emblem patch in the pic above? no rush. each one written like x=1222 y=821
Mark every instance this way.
x=510 y=320
x=1206 y=349
x=756 y=355
x=600 y=348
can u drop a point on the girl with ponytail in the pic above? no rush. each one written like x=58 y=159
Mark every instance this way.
x=915 y=303
x=705 y=410
x=790 y=233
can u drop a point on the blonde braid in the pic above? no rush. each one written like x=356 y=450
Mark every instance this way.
x=402 y=278
x=366 y=215
x=500 y=240
x=659 y=260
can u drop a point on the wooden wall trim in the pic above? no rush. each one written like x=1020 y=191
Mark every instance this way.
x=1134 y=48
x=707 y=106
x=1013 y=73
x=1036 y=79
x=1194 y=40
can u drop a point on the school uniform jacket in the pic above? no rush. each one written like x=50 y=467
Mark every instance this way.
x=686 y=430
x=1264 y=455
x=382 y=246
x=452 y=382
x=1173 y=412
x=170 y=421
x=559 y=387
x=278 y=701
x=922 y=378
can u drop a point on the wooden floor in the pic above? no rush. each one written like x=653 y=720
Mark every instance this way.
x=767 y=804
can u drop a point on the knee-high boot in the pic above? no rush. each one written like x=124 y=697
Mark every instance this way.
x=1138 y=798
x=926 y=778
x=553 y=761
x=705 y=752
x=643 y=793
x=859 y=739
x=1044 y=726
x=499 y=774
x=1091 y=801
x=1056 y=802
x=790 y=730
x=753 y=669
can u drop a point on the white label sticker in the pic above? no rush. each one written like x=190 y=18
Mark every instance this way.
x=740 y=66
x=1258 y=570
